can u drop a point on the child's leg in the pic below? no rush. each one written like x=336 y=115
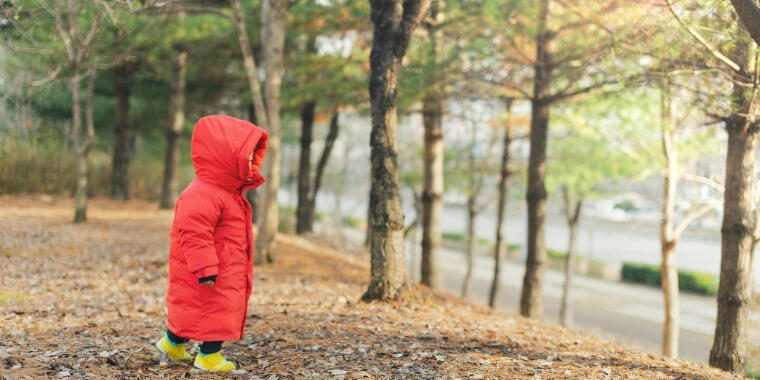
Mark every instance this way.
x=209 y=358
x=172 y=346
x=174 y=339
x=208 y=348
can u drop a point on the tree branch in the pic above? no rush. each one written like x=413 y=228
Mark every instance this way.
x=704 y=180
x=714 y=51
x=694 y=214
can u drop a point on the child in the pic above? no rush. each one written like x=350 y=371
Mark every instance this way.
x=211 y=251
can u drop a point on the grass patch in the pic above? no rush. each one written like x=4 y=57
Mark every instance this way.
x=688 y=281
x=6 y=298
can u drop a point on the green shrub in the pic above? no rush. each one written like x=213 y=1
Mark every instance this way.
x=688 y=281
x=47 y=164
x=352 y=221
x=626 y=205
x=513 y=247
x=555 y=254
x=456 y=236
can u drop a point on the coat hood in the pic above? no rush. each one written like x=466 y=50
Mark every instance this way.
x=220 y=148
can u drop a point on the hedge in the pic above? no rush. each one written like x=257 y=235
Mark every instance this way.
x=688 y=281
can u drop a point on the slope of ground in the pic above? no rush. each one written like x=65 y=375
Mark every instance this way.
x=87 y=301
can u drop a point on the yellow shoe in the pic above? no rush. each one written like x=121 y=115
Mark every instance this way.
x=175 y=352
x=213 y=362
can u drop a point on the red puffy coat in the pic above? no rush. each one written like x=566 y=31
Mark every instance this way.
x=211 y=233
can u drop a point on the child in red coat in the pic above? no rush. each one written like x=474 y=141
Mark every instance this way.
x=211 y=251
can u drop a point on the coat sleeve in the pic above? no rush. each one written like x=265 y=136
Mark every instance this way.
x=196 y=217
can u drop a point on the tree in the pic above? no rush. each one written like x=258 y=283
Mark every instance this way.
x=307 y=192
x=273 y=17
x=469 y=165
x=585 y=163
x=432 y=118
x=169 y=188
x=323 y=80
x=503 y=196
x=435 y=72
x=394 y=21
x=76 y=29
x=670 y=233
x=738 y=226
x=549 y=59
x=123 y=78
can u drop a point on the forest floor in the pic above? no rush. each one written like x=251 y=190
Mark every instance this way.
x=87 y=301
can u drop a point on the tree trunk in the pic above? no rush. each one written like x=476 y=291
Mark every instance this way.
x=749 y=14
x=668 y=240
x=257 y=112
x=80 y=194
x=123 y=75
x=368 y=232
x=170 y=187
x=573 y=215
x=734 y=289
x=471 y=213
x=432 y=193
x=501 y=209
x=530 y=299
x=319 y=171
x=82 y=145
x=669 y=274
x=394 y=21
x=273 y=16
x=432 y=115
x=253 y=195
x=303 y=219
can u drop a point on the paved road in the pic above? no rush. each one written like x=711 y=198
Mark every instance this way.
x=598 y=239
x=625 y=313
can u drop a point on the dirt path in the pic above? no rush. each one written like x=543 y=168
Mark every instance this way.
x=86 y=301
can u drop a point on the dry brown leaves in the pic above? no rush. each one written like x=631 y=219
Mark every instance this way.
x=87 y=301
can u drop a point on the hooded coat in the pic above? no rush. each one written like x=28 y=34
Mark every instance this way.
x=212 y=232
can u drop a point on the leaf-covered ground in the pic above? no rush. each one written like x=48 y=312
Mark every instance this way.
x=87 y=301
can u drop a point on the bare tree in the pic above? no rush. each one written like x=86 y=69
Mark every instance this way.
x=394 y=21
x=670 y=233
x=572 y=208
x=501 y=210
